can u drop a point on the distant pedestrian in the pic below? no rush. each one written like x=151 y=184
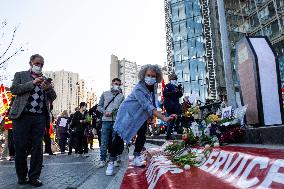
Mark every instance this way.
x=133 y=114
x=30 y=112
x=108 y=105
x=79 y=121
x=96 y=121
x=72 y=132
x=172 y=93
x=62 y=130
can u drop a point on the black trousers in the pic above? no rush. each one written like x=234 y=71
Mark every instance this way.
x=141 y=139
x=85 y=144
x=79 y=142
x=11 y=146
x=29 y=131
x=72 y=142
x=118 y=144
x=62 y=143
x=47 y=142
x=99 y=135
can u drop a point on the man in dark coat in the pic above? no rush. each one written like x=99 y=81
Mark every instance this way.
x=172 y=94
x=30 y=112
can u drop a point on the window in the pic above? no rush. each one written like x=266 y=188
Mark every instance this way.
x=183 y=32
x=189 y=10
x=190 y=28
x=177 y=52
x=181 y=10
x=192 y=49
x=176 y=34
x=200 y=51
x=184 y=51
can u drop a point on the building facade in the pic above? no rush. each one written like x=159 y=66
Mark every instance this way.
x=66 y=88
x=189 y=46
x=256 y=18
x=70 y=90
x=126 y=71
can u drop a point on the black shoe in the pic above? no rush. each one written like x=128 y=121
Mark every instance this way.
x=52 y=154
x=35 y=183
x=23 y=181
x=69 y=153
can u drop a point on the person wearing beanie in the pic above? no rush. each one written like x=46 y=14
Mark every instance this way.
x=172 y=93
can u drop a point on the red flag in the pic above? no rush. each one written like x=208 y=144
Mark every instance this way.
x=4 y=100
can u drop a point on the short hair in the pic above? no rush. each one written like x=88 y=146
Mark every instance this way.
x=82 y=104
x=36 y=56
x=155 y=68
x=116 y=79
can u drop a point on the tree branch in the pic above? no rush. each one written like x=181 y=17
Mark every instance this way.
x=9 y=44
x=2 y=63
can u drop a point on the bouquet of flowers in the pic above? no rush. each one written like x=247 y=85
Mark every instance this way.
x=114 y=112
x=212 y=118
x=192 y=111
x=172 y=149
x=88 y=119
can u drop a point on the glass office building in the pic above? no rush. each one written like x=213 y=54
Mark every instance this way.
x=257 y=18
x=188 y=48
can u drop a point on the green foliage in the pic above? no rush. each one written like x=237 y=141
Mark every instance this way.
x=188 y=159
x=172 y=149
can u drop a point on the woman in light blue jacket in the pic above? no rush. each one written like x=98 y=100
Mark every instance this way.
x=134 y=112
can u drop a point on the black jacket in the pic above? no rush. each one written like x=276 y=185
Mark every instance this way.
x=77 y=117
x=172 y=94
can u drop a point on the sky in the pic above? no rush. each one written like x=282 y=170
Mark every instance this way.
x=81 y=35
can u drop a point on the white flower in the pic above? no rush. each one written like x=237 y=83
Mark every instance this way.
x=187 y=167
x=201 y=155
x=207 y=146
x=216 y=144
x=198 y=159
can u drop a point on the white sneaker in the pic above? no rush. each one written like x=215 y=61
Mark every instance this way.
x=109 y=170
x=102 y=164
x=139 y=161
x=116 y=163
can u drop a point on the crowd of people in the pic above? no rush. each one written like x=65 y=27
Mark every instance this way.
x=115 y=120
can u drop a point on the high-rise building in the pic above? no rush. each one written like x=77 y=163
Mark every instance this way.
x=126 y=71
x=165 y=80
x=256 y=18
x=65 y=86
x=189 y=46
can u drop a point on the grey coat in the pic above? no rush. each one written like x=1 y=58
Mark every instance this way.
x=21 y=87
x=105 y=99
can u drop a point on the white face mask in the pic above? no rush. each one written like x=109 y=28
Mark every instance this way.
x=36 y=69
x=174 y=82
x=116 y=87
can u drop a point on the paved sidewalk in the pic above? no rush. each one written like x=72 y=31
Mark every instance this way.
x=61 y=171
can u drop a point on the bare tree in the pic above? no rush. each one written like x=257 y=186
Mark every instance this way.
x=8 y=53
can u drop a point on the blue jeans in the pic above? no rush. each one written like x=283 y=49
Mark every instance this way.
x=106 y=136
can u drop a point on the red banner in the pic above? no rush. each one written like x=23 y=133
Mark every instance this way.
x=226 y=167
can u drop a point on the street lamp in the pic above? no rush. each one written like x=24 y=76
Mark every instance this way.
x=78 y=85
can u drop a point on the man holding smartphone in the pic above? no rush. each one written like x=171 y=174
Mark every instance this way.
x=30 y=112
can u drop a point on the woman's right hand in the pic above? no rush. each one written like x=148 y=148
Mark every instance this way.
x=170 y=118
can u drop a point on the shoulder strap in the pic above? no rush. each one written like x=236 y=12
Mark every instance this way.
x=111 y=101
